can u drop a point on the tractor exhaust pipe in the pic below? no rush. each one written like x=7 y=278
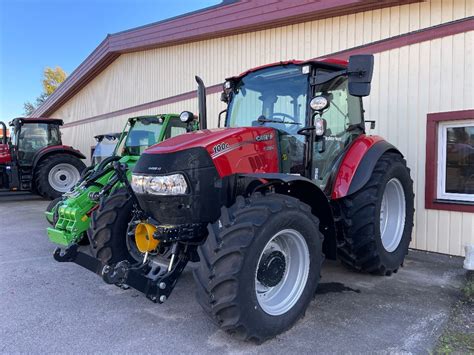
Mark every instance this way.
x=201 y=92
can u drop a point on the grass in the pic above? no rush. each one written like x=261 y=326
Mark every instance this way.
x=458 y=337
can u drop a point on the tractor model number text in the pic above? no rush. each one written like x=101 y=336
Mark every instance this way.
x=220 y=147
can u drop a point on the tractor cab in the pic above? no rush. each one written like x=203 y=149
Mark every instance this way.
x=142 y=132
x=312 y=110
x=29 y=136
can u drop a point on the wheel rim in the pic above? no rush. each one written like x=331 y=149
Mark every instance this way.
x=63 y=176
x=282 y=272
x=392 y=215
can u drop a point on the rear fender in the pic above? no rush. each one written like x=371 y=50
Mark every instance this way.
x=57 y=149
x=358 y=163
x=303 y=189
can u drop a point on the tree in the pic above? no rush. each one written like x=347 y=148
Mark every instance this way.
x=52 y=78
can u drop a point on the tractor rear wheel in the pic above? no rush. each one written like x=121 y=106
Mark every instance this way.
x=377 y=221
x=108 y=229
x=260 y=265
x=57 y=174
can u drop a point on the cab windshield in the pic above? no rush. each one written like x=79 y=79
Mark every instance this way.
x=104 y=148
x=273 y=97
x=146 y=131
x=141 y=134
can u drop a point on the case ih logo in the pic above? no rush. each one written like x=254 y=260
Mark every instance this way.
x=220 y=147
x=264 y=137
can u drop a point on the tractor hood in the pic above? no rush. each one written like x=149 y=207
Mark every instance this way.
x=230 y=150
x=207 y=139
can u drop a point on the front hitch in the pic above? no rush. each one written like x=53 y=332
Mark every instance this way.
x=142 y=277
x=157 y=286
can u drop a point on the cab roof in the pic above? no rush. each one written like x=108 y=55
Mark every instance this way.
x=335 y=63
x=26 y=120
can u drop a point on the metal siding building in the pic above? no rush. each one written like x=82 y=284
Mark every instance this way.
x=423 y=64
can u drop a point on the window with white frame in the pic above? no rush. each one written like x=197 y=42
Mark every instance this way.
x=456 y=161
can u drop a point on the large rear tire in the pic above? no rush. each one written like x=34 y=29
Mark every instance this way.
x=260 y=265
x=377 y=221
x=57 y=174
x=108 y=229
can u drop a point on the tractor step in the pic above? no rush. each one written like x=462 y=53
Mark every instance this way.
x=141 y=277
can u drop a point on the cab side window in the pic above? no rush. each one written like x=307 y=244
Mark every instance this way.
x=344 y=110
x=344 y=123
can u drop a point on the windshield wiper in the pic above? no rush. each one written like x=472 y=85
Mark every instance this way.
x=263 y=120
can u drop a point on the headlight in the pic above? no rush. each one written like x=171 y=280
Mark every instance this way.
x=186 y=116
x=160 y=185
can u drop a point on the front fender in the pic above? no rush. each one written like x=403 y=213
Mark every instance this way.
x=306 y=191
x=358 y=163
x=62 y=149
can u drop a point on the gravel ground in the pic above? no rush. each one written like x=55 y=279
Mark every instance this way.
x=458 y=335
x=50 y=307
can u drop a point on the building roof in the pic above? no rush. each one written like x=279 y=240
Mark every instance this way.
x=228 y=18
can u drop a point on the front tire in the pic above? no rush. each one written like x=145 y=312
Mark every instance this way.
x=260 y=265
x=57 y=174
x=108 y=229
x=377 y=221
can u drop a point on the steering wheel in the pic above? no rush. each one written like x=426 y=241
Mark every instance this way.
x=289 y=127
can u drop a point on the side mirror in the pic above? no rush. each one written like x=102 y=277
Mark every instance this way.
x=360 y=72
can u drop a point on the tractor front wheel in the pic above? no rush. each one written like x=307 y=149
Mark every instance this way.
x=109 y=226
x=57 y=174
x=377 y=221
x=260 y=265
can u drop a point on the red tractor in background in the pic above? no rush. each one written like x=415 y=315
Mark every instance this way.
x=33 y=158
x=290 y=180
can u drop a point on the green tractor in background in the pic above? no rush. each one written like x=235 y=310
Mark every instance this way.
x=70 y=215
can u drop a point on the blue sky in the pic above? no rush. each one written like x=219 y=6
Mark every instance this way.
x=35 y=34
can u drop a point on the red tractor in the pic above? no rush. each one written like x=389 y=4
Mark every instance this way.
x=259 y=204
x=33 y=158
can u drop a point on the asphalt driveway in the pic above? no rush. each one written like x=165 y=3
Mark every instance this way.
x=50 y=307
